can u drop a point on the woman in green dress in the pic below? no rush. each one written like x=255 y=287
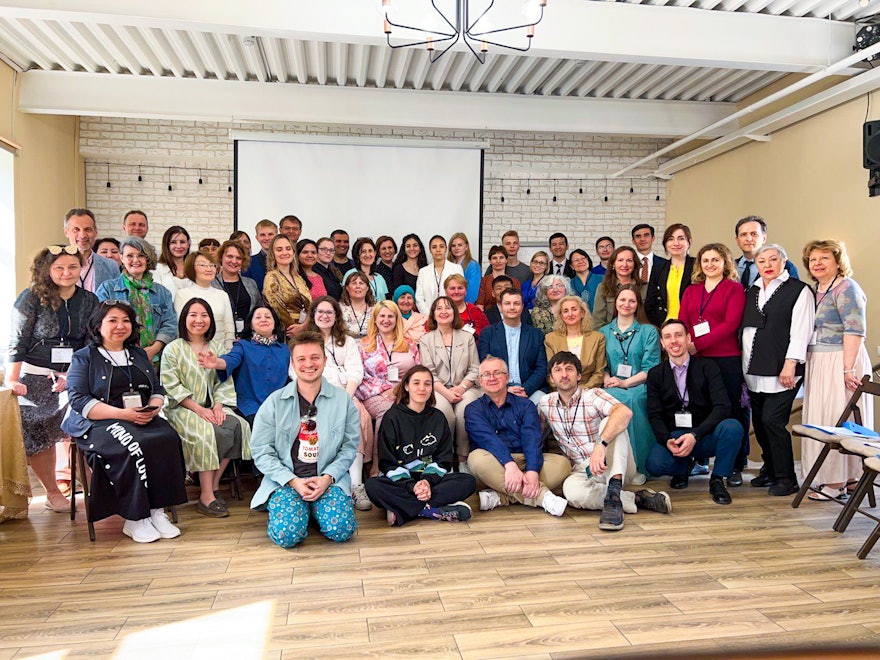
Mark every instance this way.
x=200 y=407
x=632 y=346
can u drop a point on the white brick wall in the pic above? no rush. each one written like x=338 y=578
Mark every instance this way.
x=575 y=160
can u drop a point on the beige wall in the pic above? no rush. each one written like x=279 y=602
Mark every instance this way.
x=807 y=182
x=48 y=174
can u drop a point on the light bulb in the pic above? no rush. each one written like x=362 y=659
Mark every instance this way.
x=531 y=10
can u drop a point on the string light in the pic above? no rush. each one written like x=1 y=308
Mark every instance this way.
x=201 y=181
x=140 y=178
x=108 y=175
x=554 y=190
x=502 y=191
x=606 y=189
x=170 y=188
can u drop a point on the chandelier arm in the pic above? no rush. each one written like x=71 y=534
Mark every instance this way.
x=454 y=28
x=452 y=37
x=466 y=13
x=500 y=45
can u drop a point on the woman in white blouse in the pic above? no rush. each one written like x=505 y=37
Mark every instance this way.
x=169 y=270
x=429 y=284
x=345 y=370
x=202 y=270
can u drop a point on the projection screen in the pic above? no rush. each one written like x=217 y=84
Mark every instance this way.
x=368 y=188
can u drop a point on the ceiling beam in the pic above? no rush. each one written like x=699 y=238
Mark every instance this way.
x=571 y=29
x=218 y=100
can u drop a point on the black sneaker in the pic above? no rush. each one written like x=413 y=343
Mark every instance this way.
x=679 y=481
x=611 y=519
x=458 y=512
x=783 y=487
x=763 y=479
x=718 y=491
x=653 y=501
x=735 y=480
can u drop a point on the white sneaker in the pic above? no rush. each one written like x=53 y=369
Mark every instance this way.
x=489 y=499
x=160 y=521
x=553 y=504
x=639 y=480
x=464 y=468
x=141 y=531
x=361 y=501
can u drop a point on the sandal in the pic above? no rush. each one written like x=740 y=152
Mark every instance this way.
x=827 y=493
x=851 y=486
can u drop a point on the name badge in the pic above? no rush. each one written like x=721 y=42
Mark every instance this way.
x=303 y=316
x=624 y=370
x=239 y=326
x=131 y=400
x=393 y=373
x=62 y=355
x=684 y=420
x=469 y=328
x=701 y=329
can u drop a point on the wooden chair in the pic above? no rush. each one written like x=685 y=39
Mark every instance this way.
x=872 y=467
x=864 y=487
x=832 y=442
x=78 y=461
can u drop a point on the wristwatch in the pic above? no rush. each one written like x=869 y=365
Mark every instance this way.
x=603 y=442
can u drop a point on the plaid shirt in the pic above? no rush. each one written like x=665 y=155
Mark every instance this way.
x=576 y=426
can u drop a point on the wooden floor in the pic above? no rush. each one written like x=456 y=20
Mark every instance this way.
x=514 y=582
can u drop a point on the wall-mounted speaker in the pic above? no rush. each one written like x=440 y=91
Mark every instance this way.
x=871 y=145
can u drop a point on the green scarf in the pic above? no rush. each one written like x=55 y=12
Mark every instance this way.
x=139 y=297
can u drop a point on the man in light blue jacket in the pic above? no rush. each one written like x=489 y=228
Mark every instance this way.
x=304 y=441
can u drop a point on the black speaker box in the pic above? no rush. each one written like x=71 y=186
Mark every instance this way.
x=871 y=145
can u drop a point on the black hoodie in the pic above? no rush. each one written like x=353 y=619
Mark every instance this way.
x=414 y=445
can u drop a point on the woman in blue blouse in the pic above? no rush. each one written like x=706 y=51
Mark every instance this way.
x=633 y=347
x=460 y=253
x=581 y=264
x=259 y=362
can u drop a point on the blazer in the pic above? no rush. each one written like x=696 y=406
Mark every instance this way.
x=708 y=400
x=656 y=303
x=532 y=357
x=592 y=357
x=164 y=316
x=465 y=363
x=105 y=269
x=250 y=286
x=88 y=383
x=427 y=290
x=271 y=440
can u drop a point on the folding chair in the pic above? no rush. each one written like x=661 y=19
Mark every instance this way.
x=832 y=442
x=872 y=466
x=865 y=485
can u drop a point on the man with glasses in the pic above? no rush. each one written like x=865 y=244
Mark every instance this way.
x=306 y=471
x=292 y=227
x=519 y=345
x=81 y=230
x=506 y=439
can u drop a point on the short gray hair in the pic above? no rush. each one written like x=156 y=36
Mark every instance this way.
x=141 y=246
x=772 y=246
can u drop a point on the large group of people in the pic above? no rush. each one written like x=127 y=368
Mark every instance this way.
x=406 y=378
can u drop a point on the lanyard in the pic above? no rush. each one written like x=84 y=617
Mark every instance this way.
x=438 y=277
x=569 y=430
x=69 y=323
x=825 y=294
x=534 y=286
x=678 y=392
x=83 y=278
x=125 y=367
x=360 y=324
x=387 y=352
x=620 y=337
x=237 y=294
x=704 y=305
x=332 y=352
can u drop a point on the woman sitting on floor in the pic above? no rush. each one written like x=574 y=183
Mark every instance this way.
x=415 y=458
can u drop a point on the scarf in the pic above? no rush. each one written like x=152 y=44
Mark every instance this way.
x=263 y=341
x=139 y=297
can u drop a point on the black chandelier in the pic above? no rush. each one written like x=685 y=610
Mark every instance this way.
x=462 y=27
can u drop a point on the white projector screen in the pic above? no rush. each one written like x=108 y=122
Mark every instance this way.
x=364 y=189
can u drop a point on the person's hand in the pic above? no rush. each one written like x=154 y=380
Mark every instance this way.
x=293 y=328
x=613 y=381
x=389 y=393
x=683 y=445
x=454 y=394
x=219 y=414
x=206 y=414
x=422 y=490
x=153 y=350
x=517 y=390
x=851 y=381
x=302 y=486
x=60 y=383
x=134 y=416
x=513 y=478
x=786 y=376
x=18 y=389
x=207 y=360
x=531 y=484
x=597 y=460
x=316 y=486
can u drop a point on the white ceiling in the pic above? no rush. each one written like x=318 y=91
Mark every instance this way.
x=659 y=67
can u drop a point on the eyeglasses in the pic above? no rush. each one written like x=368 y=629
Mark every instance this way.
x=325 y=312
x=58 y=249
x=537 y=262
x=486 y=375
x=326 y=249
x=556 y=285
x=208 y=266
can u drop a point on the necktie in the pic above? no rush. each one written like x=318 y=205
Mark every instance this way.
x=559 y=269
x=643 y=275
x=744 y=280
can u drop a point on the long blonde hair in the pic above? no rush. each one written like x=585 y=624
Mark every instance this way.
x=468 y=258
x=586 y=321
x=370 y=341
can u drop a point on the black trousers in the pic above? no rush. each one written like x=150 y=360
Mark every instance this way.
x=732 y=375
x=770 y=413
x=394 y=497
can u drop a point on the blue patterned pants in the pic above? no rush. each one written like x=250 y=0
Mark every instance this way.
x=289 y=516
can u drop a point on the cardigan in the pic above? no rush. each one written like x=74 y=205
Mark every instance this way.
x=723 y=309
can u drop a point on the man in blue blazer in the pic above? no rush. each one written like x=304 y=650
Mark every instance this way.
x=751 y=233
x=520 y=346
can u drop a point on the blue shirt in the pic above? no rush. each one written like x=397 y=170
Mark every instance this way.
x=511 y=336
x=753 y=271
x=261 y=371
x=514 y=428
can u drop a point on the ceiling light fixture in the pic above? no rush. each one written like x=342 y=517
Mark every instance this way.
x=442 y=31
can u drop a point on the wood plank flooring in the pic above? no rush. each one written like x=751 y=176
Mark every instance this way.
x=754 y=576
